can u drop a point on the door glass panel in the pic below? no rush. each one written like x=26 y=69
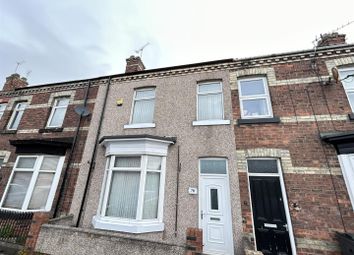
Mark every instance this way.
x=212 y=166
x=262 y=166
x=214 y=203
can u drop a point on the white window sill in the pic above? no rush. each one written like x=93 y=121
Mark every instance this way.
x=140 y=125
x=125 y=226
x=210 y=122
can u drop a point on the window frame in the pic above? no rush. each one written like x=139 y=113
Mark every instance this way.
x=265 y=96
x=2 y=111
x=221 y=92
x=344 y=69
x=35 y=172
x=54 y=108
x=143 y=124
x=15 y=110
x=137 y=225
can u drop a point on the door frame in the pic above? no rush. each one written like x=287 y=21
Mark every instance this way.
x=284 y=195
x=227 y=192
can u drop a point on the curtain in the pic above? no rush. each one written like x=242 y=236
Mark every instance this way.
x=151 y=195
x=49 y=163
x=41 y=191
x=17 y=190
x=210 y=107
x=123 y=197
x=154 y=163
x=144 y=111
x=127 y=162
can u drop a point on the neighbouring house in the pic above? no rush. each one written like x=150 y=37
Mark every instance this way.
x=41 y=144
x=294 y=135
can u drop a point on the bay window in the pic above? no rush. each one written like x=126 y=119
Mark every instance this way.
x=133 y=187
x=33 y=183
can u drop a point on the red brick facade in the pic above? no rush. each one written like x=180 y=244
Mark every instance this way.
x=307 y=107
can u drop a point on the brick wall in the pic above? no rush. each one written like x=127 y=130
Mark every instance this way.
x=317 y=195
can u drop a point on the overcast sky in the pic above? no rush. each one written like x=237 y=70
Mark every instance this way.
x=76 y=39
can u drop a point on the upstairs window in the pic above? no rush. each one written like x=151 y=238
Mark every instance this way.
x=2 y=109
x=33 y=183
x=57 y=115
x=347 y=78
x=254 y=98
x=143 y=106
x=210 y=101
x=17 y=115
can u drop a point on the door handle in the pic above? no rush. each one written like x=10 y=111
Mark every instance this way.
x=201 y=214
x=286 y=227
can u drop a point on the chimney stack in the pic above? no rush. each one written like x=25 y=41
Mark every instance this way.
x=14 y=81
x=134 y=64
x=331 y=39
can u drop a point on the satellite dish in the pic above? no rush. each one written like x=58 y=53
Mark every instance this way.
x=335 y=74
x=82 y=110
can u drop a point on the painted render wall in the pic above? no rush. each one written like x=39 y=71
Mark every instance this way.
x=175 y=110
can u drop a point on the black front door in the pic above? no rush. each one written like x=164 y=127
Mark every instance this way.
x=272 y=236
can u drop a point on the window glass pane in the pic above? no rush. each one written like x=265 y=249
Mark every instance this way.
x=63 y=101
x=127 y=161
x=252 y=87
x=255 y=107
x=16 y=120
x=154 y=163
x=214 y=203
x=123 y=197
x=2 y=109
x=210 y=87
x=210 y=107
x=262 y=166
x=144 y=94
x=1 y=161
x=351 y=98
x=143 y=111
x=348 y=82
x=49 y=163
x=26 y=162
x=17 y=190
x=21 y=106
x=151 y=195
x=41 y=191
x=58 y=117
x=212 y=166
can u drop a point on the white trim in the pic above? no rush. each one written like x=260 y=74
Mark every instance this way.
x=17 y=109
x=347 y=90
x=265 y=96
x=210 y=122
x=54 y=108
x=143 y=147
x=347 y=171
x=140 y=125
x=210 y=92
x=133 y=107
x=35 y=172
x=284 y=196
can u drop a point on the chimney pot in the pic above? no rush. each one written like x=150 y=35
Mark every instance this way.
x=134 y=64
x=331 y=39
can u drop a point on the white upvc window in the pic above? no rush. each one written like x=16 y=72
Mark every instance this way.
x=142 y=115
x=347 y=79
x=2 y=110
x=210 y=101
x=56 y=117
x=254 y=98
x=17 y=115
x=347 y=166
x=33 y=183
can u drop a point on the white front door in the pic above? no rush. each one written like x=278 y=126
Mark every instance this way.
x=215 y=214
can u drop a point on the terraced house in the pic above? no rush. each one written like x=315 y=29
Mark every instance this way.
x=221 y=157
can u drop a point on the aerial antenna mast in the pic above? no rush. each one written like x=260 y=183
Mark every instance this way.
x=140 y=51
x=18 y=63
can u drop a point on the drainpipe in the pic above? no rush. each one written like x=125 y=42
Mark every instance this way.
x=71 y=151
x=177 y=189
x=93 y=157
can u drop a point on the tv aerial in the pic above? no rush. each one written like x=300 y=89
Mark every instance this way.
x=140 y=51
x=18 y=63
